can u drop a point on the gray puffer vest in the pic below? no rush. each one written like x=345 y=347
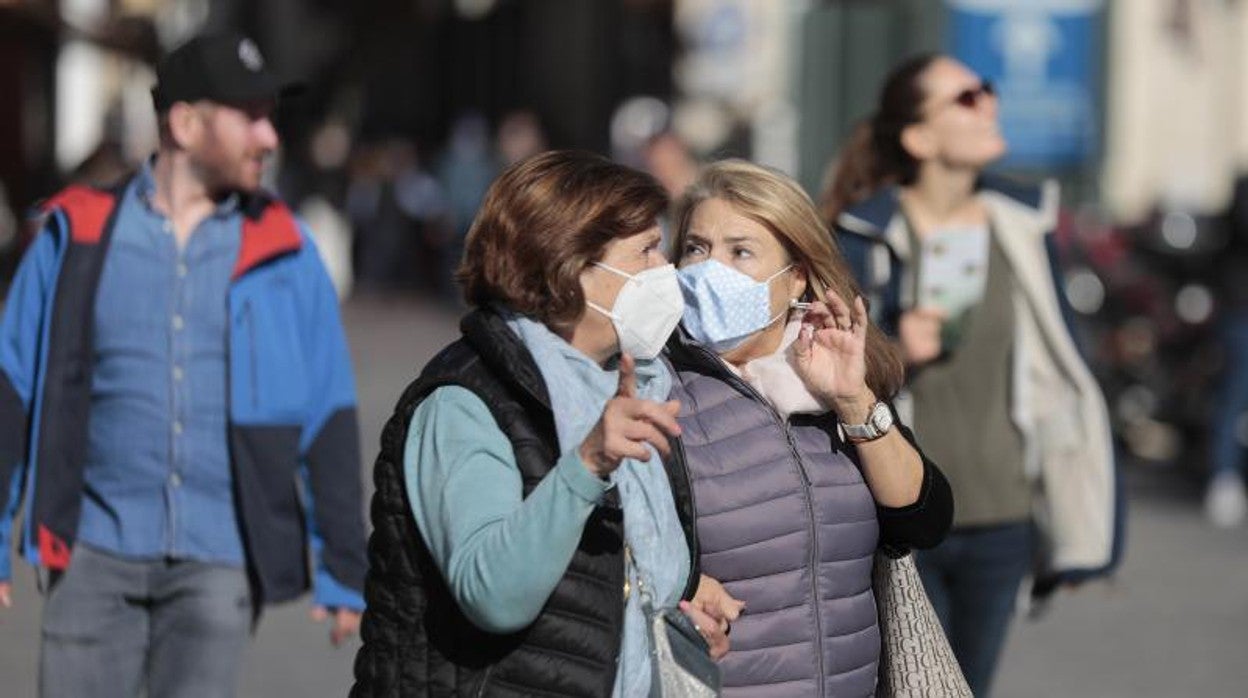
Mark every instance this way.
x=787 y=524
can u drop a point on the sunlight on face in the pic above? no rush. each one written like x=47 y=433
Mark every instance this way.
x=968 y=136
x=717 y=231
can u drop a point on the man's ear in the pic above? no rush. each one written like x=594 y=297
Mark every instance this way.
x=186 y=125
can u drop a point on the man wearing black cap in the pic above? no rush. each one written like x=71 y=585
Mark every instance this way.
x=177 y=410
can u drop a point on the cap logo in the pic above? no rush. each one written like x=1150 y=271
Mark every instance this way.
x=249 y=54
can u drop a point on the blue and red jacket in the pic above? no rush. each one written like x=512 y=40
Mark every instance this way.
x=293 y=437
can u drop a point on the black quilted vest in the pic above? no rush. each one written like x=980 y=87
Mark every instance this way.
x=416 y=640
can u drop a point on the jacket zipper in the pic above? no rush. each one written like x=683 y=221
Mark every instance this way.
x=251 y=354
x=485 y=681
x=807 y=496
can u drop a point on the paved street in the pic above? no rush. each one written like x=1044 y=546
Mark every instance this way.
x=1174 y=623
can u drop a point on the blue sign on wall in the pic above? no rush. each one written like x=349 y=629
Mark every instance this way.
x=1044 y=58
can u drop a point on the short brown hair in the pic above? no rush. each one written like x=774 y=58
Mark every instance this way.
x=543 y=221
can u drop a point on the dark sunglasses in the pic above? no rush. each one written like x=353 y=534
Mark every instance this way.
x=970 y=97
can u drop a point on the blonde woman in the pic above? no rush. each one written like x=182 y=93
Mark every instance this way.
x=799 y=467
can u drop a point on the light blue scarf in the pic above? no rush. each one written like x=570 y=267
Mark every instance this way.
x=579 y=389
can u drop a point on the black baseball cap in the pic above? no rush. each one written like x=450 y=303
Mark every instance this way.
x=221 y=67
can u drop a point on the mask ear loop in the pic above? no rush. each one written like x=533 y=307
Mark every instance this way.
x=613 y=270
x=771 y=278
x=609 y=313
x=794 y=304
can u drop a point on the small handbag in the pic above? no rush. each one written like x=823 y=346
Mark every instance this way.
x=915 y=657
x=680 y=658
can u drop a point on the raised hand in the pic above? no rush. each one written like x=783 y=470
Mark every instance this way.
x=830 y=352
x=627 y=425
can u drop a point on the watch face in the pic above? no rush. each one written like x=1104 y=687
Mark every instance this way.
x=882 y=418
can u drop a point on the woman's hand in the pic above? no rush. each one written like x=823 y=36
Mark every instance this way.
x=918 y=332
x=831 y=356
x=715 y=631
x=713 y=600
x=627 y=424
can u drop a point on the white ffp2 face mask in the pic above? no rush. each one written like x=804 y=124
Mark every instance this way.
x=647 y=310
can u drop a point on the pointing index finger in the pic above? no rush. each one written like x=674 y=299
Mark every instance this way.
x=628 y=377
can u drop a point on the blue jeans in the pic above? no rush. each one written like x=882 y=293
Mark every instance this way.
x=112 y=627
x=972 y=579
x=1226 y=452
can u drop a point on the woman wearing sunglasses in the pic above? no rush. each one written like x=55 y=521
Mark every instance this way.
x=959 y=270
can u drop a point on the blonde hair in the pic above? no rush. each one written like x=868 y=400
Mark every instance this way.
x=779 y=204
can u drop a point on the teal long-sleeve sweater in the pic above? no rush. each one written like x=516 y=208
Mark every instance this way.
x=501 y=554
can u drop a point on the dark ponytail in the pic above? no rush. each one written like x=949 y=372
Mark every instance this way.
x=852 y=175
x=874 y=157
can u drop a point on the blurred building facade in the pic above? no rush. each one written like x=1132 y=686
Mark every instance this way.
x=386 y=68
x=781 y=82
x=1140 y=107
x=1177 y=106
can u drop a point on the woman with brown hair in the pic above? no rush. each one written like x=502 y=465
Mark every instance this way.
x=799 y=468
x=959 y=269
x=528 y=495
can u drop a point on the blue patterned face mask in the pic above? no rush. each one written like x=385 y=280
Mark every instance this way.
x=723 y=306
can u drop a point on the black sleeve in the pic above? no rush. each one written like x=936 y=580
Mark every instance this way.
x=924 y=523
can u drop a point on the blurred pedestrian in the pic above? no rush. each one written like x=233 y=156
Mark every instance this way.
x=798 y=474
x=1226 y=502
x=464 y=172
x=960 y=270
x=668 y=158
x=520 y=136
x=105 y=166
x=529 y=496
x=399 y=215
x=175 y=386
x=331 y=231
x=323 y=185
x=9 y=228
